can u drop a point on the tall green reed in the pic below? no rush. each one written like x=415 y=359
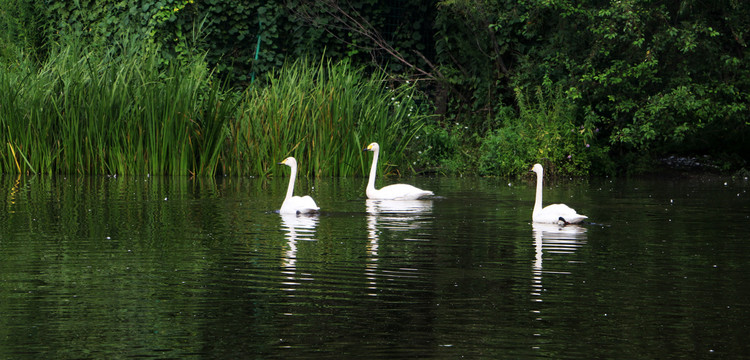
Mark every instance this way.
x=322 y=113
x=98 y=111
x=123 y=110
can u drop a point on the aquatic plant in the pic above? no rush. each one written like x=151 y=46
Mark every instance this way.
x=323 y=113
x=125 y=110
x=110 y=111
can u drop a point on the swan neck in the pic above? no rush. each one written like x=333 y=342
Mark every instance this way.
x=292 y=178
x=538 y=202
x=373 y=170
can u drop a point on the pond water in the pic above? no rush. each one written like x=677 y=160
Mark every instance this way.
x=109 y=267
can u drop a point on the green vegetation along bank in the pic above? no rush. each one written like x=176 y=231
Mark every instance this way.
x=86 y=111
x=449 y=87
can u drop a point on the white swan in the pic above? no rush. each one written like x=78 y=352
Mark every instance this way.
x=552 y=214
x=296 y=204
x=390 y=192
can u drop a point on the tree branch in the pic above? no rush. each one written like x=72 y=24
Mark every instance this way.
x=351 y=21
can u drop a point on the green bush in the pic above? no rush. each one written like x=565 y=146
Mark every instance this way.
x=505 y=152
x=437 y=149
x=543 y=132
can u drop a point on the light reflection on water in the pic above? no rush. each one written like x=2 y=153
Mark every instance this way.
x=298 y=228
x=552 y=240
x=409 y=215
x=166 y=267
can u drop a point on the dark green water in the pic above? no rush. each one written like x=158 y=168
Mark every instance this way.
x=175 y=268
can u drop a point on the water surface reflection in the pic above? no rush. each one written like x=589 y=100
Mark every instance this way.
x=392 y=215
x=553 y=240
x=398 y=214
x=175 y=268
x=298 y=227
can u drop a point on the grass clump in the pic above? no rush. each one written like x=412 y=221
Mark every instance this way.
x=324 y=114
x=127 y=110
x=88 y=111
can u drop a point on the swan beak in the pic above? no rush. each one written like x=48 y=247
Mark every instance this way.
x=283 y=162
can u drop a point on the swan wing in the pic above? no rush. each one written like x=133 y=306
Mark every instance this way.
x=553 y=213
x=398 y=192
x=299 y=204
x=308 y=203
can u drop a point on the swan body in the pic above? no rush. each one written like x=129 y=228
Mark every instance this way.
x=560 y=214
x=390 y=192
x=296 y=204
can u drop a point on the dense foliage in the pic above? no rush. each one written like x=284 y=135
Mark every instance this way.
x=648 y=78
x=584 y=86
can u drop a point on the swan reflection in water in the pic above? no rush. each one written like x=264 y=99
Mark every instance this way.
x=298 y=228
x=396 y=215
x=552 y=239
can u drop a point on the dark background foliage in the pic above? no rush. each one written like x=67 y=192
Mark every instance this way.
x=587 y=86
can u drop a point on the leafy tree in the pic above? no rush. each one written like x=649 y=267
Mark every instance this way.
x=660 y=77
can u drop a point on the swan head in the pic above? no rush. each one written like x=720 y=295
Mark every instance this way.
x=537 y=168
x=290 y=161
x=372 y=147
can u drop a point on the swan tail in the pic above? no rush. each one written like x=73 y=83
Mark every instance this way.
x=575 y=219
